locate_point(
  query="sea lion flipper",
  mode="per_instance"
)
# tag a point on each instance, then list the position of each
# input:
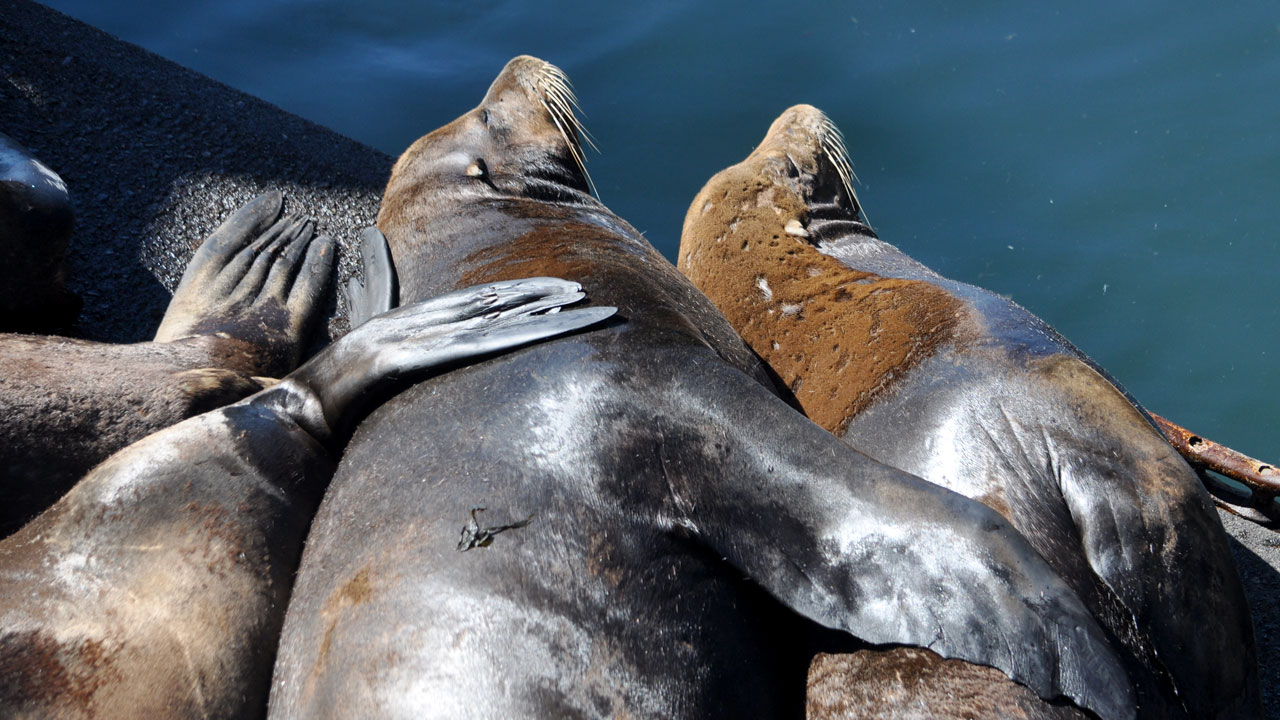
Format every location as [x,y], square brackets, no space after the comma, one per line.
[313,278]
[255,282]
[248,222]
[379,292]
[1150,533]
[886,556]
[428,335]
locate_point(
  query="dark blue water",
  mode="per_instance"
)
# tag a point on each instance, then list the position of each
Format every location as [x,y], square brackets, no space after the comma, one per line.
[1113,167]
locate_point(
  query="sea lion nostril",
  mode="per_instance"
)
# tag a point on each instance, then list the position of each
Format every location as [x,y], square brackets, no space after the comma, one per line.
[484,116]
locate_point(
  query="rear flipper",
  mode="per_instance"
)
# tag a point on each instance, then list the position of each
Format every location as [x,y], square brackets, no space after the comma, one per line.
[172,562]
[380,290]
[257,283]
[856,545]
[240,312]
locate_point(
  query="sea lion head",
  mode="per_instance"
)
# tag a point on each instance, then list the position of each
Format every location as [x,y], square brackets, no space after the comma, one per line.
[511,165]
[522,141]
[836,335]
[802,171]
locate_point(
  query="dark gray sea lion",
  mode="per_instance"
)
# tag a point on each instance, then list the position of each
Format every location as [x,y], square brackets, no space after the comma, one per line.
[970,391]
[241,312]
[36,219]
[584,528]
[157,586]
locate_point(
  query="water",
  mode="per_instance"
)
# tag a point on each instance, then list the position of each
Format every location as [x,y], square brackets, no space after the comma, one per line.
[1108,166]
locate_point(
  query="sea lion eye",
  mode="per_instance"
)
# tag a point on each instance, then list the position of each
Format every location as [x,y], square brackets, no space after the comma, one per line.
[484,116]
[477,169]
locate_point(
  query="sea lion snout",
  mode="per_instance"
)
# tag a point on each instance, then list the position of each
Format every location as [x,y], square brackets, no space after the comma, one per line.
[522,139]
[800,125]
[805,144]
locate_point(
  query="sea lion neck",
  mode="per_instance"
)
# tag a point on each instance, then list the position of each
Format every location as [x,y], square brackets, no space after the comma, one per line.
[499,239]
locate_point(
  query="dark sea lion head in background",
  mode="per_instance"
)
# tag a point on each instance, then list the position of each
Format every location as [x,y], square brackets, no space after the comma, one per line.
[628,470]
[970,391]
[36,219]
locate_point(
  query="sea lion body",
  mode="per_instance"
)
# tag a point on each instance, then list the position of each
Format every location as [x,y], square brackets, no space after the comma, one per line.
[242,311]
[643,493]
[157,586]
[970,391]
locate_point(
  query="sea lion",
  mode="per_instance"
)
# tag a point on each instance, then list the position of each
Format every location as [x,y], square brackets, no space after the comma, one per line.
[156,587]
[36,219]
[968,390]
[242,310]
[589,527]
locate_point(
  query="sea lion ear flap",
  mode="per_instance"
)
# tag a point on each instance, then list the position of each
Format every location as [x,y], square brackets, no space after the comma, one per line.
[380,290]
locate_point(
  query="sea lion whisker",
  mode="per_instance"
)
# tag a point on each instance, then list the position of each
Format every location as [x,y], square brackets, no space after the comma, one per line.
[832,141]
[552,95]
[571,140]
[568,102]
[554,84]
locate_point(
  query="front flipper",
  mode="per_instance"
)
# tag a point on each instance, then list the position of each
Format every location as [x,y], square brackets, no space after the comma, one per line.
[427,336]
[1150,532]
[886,556]
[380,290]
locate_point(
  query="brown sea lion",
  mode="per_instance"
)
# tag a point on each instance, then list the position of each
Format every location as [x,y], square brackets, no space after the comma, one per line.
[623,522]
[156,587]
[241,311]
[970,391]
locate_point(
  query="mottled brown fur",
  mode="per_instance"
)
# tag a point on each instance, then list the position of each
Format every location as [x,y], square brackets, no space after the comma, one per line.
[1006,412]
[836,336]
[546,251]
[901,683]
[35,668]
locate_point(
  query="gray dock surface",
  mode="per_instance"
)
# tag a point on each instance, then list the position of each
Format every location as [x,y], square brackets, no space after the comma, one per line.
[156,155]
